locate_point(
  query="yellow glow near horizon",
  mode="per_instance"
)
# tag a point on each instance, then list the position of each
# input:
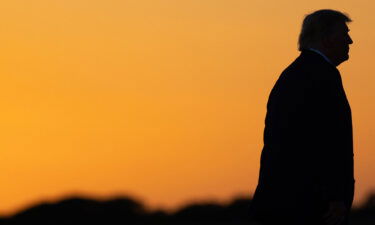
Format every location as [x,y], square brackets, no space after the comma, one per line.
[160,99]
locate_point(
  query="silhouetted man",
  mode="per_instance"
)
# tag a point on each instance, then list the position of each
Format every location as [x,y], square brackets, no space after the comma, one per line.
[306,170]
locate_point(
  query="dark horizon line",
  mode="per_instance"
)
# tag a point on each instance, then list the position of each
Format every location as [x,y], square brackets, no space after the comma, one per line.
[369,200]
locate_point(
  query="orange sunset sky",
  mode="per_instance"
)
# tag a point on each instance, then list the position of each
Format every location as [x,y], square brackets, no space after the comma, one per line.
[163,100]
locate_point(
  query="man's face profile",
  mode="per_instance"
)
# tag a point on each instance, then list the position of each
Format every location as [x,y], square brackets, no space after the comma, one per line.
[339,42]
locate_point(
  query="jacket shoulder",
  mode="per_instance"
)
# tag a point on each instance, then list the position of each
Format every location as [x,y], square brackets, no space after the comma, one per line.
[309,68]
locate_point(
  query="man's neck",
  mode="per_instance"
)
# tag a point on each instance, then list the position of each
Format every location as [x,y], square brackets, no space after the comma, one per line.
[320,52]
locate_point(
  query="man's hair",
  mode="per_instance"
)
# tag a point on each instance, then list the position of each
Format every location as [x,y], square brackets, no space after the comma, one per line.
[318,25]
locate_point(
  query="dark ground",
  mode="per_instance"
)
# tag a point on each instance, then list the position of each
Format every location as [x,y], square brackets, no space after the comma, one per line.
[125,210]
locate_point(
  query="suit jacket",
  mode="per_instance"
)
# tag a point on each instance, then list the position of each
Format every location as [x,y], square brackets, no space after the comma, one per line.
[307,158]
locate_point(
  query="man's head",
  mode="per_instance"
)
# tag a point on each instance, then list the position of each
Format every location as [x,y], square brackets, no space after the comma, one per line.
[326,31]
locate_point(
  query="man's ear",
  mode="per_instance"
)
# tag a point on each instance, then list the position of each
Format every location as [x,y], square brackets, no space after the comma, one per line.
[327,41]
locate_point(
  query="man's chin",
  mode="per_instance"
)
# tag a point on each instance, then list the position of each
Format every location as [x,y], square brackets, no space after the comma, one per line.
[346,57]
[343,59]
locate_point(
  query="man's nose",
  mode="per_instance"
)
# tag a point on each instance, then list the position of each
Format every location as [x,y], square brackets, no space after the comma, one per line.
[350,40]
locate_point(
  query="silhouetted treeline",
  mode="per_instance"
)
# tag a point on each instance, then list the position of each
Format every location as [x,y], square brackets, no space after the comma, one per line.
[125,210]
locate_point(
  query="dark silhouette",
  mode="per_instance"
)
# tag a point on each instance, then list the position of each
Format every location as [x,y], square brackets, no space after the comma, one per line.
[124,210]
[306,174]
[83,211]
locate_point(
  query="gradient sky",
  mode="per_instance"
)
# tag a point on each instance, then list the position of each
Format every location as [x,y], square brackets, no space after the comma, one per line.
[163,100]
